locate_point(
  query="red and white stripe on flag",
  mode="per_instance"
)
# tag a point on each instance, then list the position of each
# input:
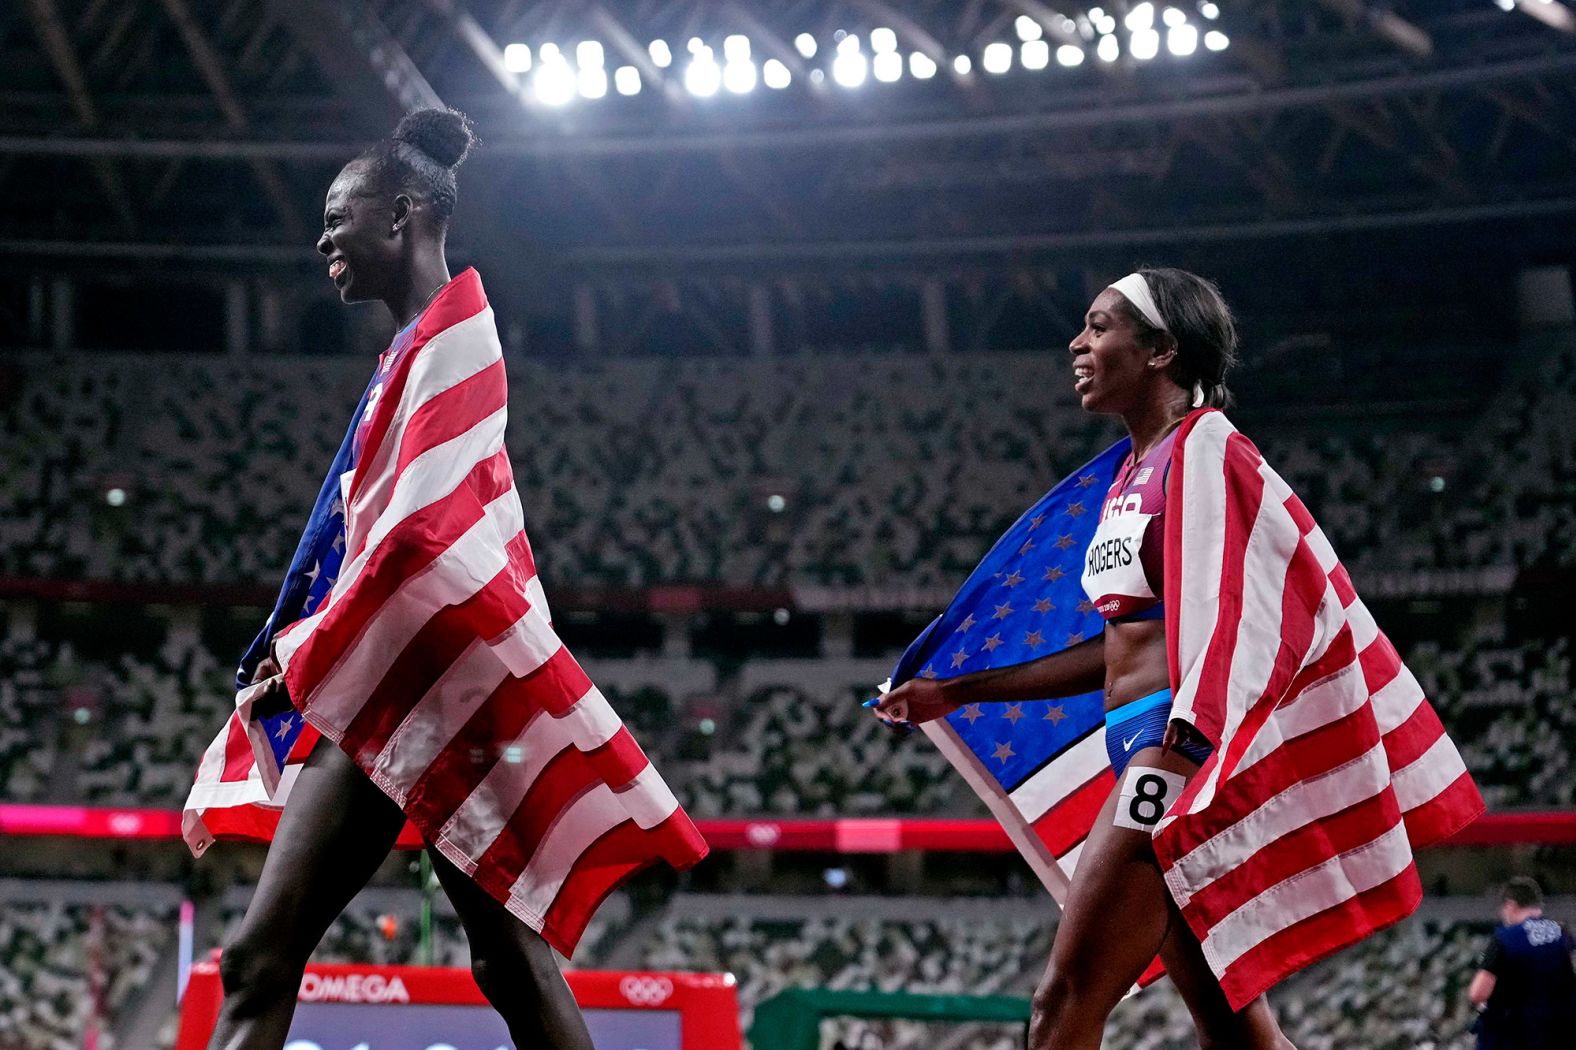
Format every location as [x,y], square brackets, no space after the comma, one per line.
[433,662]
[1295,839]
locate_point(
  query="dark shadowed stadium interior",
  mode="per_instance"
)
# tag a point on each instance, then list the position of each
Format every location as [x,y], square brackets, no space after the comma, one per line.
[784,292]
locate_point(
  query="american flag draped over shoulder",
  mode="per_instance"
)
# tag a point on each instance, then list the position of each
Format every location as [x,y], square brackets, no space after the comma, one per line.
[431,659]
[1040,766]
[1295,839]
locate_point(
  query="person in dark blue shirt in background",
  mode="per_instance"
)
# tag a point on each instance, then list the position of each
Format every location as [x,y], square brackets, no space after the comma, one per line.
[1525,986]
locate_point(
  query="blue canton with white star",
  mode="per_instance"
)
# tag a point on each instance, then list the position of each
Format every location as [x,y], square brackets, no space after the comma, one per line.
[1024,601]
[311,575]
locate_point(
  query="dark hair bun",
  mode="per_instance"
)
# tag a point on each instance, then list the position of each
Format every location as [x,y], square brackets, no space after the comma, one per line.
[445,135]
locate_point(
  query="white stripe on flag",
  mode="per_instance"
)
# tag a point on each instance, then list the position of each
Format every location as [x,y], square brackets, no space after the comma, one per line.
[448,359]
[437,717]
[485,812]
[1300,804]
[1062,776]
[449,579]
[1203,549]
[1328,700]
[1309,892]
[585,820]
[1432,772]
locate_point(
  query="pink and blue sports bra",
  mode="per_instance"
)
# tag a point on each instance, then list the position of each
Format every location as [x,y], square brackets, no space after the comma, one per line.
[1124,567]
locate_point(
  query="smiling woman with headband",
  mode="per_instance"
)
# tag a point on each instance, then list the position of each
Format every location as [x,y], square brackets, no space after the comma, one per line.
[1209,642]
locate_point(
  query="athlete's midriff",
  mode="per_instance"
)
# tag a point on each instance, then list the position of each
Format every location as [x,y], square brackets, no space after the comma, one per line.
[1124,576]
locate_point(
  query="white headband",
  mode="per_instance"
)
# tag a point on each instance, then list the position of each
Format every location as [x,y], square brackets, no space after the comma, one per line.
[1136,289]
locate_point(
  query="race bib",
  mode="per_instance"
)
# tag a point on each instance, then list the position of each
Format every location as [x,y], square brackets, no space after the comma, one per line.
[1146,794]
[1112,566]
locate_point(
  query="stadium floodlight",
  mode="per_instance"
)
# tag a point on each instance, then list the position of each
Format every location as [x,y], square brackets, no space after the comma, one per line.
[883,40]
[1035,54]
[1215,40]
[736,48]
[703,76]
[848,44]
[696,45]
[963,65]
[776,75]
[921,66]
[593,82]
[806,44]
[549,52]
[1505,5]
[1071,55]
[1140,18]
[1027,28]
[554,80]
[739,76]
[627,80]
[849,68]
[1108,49]
[517,58]
[1182,40]
[589,55]
[997,58]
[888,66]
[1144,44]
[1210,11]
[661,54]
[1172,17]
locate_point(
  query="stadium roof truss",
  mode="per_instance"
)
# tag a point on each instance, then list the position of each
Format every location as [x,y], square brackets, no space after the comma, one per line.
[207,131]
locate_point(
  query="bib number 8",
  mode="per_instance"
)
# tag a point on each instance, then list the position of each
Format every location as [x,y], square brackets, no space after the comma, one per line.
[1148,800]
[1146,794]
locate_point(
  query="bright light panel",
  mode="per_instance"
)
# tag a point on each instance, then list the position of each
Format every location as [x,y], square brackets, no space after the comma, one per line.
[806,44]
[849,68]
[1208,10]
[1108,49]
[661,54]
[883,40]
[997,58]
[1182,40]
[1070,55]
[736,48]
[1215,40]
[739,76]
[921,65]
[849,45]
[696,45]
[589,55]
[555,81]
[1028,28]
[1035,54]
[963,65]
[1172,17]
[888,66]
[627,80]
[549,52]
[775,75]
[1144,44]
[703,76]
[593,82]
[1140,18]
[517,58]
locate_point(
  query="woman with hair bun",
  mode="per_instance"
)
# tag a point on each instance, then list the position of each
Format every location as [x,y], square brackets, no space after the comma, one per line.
[1247,696]
[412,631]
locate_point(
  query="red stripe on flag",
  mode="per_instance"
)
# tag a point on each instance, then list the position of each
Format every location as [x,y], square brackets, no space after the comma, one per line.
[1306,942]
[565,778]
[1407,742]
[446,416]
[467,759]
[1065,824]
[1445,814]
[440,643]
[238,756]
[1380,663]
[1288,855]
[410,547]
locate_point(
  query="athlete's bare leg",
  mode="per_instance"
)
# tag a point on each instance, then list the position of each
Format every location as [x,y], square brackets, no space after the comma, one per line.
[334,833]
[514,967]
[1118,917]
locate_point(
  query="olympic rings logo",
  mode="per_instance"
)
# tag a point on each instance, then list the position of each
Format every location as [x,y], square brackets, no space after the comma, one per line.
[642,990]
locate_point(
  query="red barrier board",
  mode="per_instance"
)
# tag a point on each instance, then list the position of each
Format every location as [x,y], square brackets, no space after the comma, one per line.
[850,835]
[405,1007]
